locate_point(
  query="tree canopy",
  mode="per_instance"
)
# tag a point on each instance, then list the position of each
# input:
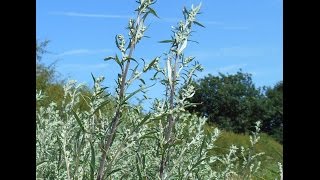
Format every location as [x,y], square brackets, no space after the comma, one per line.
[234,103]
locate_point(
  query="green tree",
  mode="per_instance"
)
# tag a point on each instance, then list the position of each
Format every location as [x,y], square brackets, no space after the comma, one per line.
[273,122]
[234,103]
[230,101]
[47,80]
[49,83]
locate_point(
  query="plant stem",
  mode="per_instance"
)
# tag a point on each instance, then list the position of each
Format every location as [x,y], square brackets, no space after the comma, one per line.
[66,158]
[172,93]
[171,120]
[116,119]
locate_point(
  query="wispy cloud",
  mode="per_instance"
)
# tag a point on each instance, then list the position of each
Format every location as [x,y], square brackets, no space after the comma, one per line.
[162,19]
[117,16]
[83,52]
[236,51]
[89,15]
[81,67]
[176,20]
[203,22]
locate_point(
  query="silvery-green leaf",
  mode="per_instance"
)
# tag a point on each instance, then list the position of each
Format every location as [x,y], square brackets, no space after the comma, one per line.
[78,121]
[183,46]
[142,81]
[151,64]
[197,23]
[108,58]
[152,11]
[133,93]
[118,62]
[166,41]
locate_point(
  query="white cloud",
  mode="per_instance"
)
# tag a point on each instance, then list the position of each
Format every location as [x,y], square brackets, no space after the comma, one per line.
[76,14]
[229,52]
[83,51]
[176,20]
[81,67]
[161,19]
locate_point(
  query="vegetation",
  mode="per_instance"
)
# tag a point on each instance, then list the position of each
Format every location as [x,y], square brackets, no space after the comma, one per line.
[50,85]
[233,103]
[86,133]
[273,122]
[271,148]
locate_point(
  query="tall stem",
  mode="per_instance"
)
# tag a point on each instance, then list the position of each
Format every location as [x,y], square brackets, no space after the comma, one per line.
[116,119]
[171,120]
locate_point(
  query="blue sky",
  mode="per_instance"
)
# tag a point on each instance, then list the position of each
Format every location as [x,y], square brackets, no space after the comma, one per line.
[244,34]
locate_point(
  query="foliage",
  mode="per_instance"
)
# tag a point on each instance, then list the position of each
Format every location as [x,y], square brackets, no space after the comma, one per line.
[273,122]
[231,101]
[122,142]
[235,104]
[47,77]
[49,83]
[272,150]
